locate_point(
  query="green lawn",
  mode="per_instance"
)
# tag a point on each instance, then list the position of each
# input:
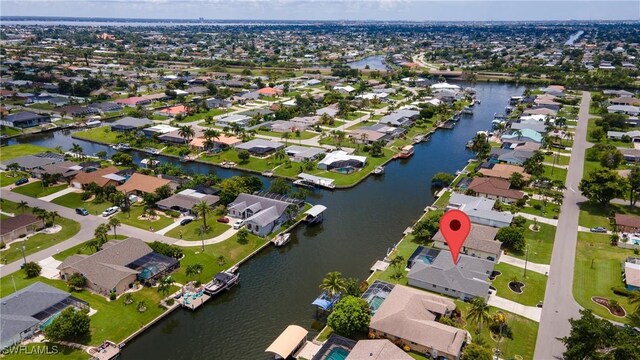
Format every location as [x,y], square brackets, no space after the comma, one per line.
[202,115]
[558,173]
[336,124]
[101,134]
[34,189]
[13,151]
[592,215]
[443,200]
[560,159]
[342,180]
[548,211]
[540,243]
[597,270]
[131,218]
[9,131]
[8,178]
[191,231]
[41,241]
[534,288]
[253,164]
[355,115]
[83,248]
[293,138]
[74,200]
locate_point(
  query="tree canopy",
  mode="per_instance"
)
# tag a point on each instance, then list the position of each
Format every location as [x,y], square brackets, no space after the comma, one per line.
[603,185]
[70,325]
[350,315]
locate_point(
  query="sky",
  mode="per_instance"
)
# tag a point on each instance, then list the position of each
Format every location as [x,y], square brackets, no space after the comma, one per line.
[411,10]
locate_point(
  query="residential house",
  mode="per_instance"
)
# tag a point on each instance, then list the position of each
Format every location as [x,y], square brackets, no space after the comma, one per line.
[214,103]
[627,100]
[269,91]
[185,200]
[25,119]
[304,153]
[331,110]
[263,215]
[106,107]
[31,162]
[231,120]
[634,135]
[631,274]
[630,155]
[139,184]
[480,243]
[130,123]
[158,130]
[118,265]
[19,226]
[541,111]
[627,223]
[434,270]
[283,126]
[221,141]
[402,118]
[365,136]
[66,170]
[340,160]
[503,171]
[494,188]
[410,317]
[480,210]
[378,349]
[624,109]
[27,311]
[260,147]
[101,177]
[522,135]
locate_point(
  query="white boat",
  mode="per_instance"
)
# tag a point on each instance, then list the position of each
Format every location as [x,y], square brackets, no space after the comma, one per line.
[379,170]
[418,139]
[281,239]
[222,281]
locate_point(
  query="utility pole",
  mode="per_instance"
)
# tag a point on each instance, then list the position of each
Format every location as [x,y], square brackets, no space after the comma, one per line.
[526,260]
[24,247]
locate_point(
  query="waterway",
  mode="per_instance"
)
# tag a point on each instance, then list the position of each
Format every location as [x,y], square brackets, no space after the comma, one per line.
[375,62]
[278,285]
[573,38]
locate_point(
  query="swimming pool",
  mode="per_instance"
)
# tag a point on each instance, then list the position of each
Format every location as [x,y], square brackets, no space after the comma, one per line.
[337,353]
[49,321]
[375,303]
[425,259]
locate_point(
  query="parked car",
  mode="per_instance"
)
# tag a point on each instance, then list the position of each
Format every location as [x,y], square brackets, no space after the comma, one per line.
[21,181]
[82,211]
[238,224]
[598,229]
[224,220]
[110,211]
[185,221]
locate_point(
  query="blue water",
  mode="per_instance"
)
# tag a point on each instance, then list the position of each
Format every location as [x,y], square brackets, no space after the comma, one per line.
[337,353]
[425,259]
[375,62]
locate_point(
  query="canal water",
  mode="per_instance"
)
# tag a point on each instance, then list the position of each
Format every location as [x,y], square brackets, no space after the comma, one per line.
[278,285]
[375,62]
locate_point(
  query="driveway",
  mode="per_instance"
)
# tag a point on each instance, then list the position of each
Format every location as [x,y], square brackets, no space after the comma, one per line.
[530,312]
[559,304]
[56,195]
[535,267]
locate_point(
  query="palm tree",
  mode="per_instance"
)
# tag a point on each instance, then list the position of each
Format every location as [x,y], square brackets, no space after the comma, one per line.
[23,205]
[286,135]
[479,312]
[77,149]
[164,285]
[280,154]
[634,298]
[41,214]
[186,132]
[334,283]
[193,270]
[202,209]
[209,135]
[101,232]
[114,223]
[53,215]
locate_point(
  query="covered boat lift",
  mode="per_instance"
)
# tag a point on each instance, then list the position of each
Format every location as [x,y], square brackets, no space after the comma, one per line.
[314,180]
[315,214]
[291,339]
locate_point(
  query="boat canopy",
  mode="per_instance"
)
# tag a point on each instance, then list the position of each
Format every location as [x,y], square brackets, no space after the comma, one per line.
[288,341]
[316,210]
[316,179]
[325,301]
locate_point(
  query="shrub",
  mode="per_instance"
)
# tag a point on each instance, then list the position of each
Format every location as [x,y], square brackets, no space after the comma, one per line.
[618,290]
[166,249]
[112,295]
[169,301]
[32,269]
[71,325]
[172,213]
[77,281]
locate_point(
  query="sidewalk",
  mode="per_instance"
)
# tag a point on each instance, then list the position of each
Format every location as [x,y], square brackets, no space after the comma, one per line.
[542,220]
[63,192]
[530,312]
[168,228]
[539,268]
[218,239]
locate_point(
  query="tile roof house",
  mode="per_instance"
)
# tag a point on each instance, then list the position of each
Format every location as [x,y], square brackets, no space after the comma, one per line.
[480,210]
[24,312]
[503,171]
[25,119]
[464,280]
[480,243]
[269,91]
[627,223]
[118,265]
[263,215]
[411,316]
[102,177]
[379,349]
[185,200]
[495,188]
[139,184]
[18,226]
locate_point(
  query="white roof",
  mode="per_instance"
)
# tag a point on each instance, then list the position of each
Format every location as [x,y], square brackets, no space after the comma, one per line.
[161,129]
[445,86]
[340,156]
[316,210]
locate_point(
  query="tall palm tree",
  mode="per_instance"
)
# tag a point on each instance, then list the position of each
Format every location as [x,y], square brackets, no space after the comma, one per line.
[77,149]
[164,285]
[202,209]
[22,206]
[53,215]
[479,312]
[101,232]
[194,270]
[280,154]
[334,283]
[286,135]
[113,224]
[186,132]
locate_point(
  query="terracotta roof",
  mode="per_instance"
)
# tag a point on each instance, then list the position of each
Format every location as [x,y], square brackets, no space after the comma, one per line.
[496,187]
[17,222]
[142,183]
[269,91]
[503,171]
[85,178]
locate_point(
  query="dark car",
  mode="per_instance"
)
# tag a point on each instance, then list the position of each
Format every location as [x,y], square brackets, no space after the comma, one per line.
[185,221]
[82,211]
[223,219]
[598,229]
[22,181]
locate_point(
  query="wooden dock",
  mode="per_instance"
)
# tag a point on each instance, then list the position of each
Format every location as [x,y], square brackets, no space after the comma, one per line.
[193,304]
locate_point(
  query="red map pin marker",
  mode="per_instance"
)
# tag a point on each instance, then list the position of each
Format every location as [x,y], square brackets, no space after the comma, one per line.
[455,226]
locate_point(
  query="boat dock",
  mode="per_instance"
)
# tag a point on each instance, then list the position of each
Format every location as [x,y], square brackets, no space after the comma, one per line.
[315,214]
[192,298]
[312,180]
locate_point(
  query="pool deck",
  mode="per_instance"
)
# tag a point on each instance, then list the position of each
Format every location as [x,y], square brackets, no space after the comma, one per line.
[308,351]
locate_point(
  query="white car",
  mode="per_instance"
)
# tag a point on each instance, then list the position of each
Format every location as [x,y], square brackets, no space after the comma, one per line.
[238,224]
[110,211]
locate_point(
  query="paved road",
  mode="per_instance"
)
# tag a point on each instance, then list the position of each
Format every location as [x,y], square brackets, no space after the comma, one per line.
[88,226]
[559,304]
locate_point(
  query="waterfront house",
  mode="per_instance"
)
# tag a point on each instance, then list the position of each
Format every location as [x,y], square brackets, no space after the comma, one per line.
[282,126]
[410,317]
[494,188]
[101,177]
[31,162]
[221,141]
[378,349]
[503,171]
[365,136]
[158,130]
[509,156]
[139,184]
[130,123]
[29,310]
[540,111]
[631,273]
[402,118]
[65,169]
[536,126]
[116,267]
[185,200]
[19,226]
[263,215]
[522,135]
[434,270]
[301,153]
[25,119]
[480,243]
[480,210]
[342,162]
[260,147]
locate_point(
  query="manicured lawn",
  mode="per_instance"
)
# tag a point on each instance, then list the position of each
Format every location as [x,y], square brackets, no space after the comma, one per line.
[9,131]
[558,173]
[355,115]
[534,288]
[191,231]
[131,218]
[202,115]
[597,270]
[40,241]
[350,179]
[592,215]
[34,189]
[6,177]
[548,211]
[293,138]
[253,164]
[83,248]
[560,159]
[540,243]
[443,200]
[102,134]
[336,124]
[13,151]
[53,352]
[74,200]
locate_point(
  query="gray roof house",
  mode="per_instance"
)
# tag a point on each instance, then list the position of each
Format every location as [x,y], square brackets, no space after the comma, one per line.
[185,200]
[400,118]
[260,147]
[624,109]
[535,126]
[465,280]
[30,162]
[516,157]
[130,123]
[479,243]
[262,215]
[236,119]
[300,153]
[26,310]
[25,119]
[480,210]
